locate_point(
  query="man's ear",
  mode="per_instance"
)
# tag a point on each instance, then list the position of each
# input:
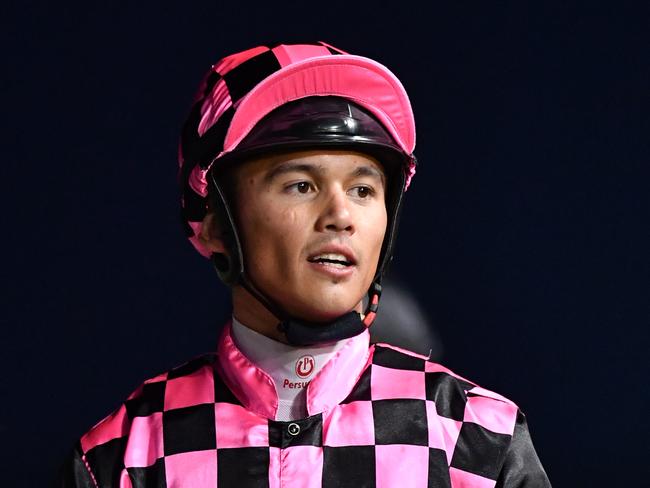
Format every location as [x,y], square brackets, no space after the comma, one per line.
[211,235]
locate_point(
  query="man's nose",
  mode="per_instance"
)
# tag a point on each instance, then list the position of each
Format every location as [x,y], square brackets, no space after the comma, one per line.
[335,214]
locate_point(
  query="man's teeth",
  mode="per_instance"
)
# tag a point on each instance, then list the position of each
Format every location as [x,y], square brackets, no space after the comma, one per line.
[331,259]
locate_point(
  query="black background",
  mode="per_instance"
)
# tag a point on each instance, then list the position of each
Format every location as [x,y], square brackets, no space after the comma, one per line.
[525,232]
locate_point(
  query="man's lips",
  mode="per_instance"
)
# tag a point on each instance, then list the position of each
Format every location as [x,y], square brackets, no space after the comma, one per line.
[333,254]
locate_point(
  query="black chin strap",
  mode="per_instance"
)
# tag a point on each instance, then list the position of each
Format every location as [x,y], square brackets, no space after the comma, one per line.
[303,333]
[300,333]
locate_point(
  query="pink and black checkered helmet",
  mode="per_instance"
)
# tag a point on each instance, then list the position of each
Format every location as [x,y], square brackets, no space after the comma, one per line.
[241,89]
[252,102]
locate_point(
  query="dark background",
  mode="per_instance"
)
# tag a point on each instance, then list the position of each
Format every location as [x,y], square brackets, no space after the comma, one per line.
[525,233]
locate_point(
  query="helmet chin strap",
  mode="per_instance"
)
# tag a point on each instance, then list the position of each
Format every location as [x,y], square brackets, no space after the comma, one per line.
[304,333]
[299,332]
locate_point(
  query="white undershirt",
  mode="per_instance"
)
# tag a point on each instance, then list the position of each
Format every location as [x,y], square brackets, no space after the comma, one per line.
[283,363]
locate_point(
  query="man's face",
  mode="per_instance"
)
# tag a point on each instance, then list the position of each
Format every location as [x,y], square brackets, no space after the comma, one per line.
[312,225]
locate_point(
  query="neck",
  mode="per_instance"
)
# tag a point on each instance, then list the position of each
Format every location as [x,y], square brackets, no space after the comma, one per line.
[247,310]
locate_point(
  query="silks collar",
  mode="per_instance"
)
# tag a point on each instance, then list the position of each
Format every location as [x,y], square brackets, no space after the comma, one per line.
[255,389]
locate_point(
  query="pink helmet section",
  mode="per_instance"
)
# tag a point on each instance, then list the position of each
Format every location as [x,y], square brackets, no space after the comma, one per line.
[360,79]
[242,88]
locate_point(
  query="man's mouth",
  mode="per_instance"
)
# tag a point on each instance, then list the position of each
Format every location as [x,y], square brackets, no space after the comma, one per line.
[331,259]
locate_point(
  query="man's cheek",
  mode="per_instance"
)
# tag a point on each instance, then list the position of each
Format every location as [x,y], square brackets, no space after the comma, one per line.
[290,219]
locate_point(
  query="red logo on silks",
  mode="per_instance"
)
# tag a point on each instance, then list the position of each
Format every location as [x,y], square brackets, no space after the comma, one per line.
[305,366]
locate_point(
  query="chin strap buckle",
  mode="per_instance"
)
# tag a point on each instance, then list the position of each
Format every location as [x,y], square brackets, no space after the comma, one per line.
[375,295]
[373,304]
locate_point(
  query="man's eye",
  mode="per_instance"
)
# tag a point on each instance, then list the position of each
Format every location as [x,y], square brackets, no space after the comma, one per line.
[363,191]
[303,187]
[300,187]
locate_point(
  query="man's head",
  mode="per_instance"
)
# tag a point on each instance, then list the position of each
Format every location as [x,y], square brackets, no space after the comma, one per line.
[312,225]
[305,153]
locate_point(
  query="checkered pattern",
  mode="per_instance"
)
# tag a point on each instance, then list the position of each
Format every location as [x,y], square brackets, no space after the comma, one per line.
[406,422]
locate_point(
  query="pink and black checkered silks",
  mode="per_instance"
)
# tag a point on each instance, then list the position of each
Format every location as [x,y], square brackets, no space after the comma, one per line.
[378,417]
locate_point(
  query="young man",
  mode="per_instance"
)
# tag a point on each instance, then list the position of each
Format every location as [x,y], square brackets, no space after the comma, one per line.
[294,160]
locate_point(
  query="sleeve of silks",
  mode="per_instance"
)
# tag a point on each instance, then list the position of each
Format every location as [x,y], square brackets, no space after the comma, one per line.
[522,468]
[73,473]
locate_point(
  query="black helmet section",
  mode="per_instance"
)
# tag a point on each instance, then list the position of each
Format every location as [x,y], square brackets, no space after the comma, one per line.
[318,122]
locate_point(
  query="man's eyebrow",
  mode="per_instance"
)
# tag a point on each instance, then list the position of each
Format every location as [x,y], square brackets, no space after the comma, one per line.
[370,171]
[291,167]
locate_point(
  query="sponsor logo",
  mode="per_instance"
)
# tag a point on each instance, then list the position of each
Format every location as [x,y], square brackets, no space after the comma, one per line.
[293,385]
[305,366]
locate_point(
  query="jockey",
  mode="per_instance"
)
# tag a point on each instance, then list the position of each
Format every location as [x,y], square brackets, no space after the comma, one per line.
[294,160]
